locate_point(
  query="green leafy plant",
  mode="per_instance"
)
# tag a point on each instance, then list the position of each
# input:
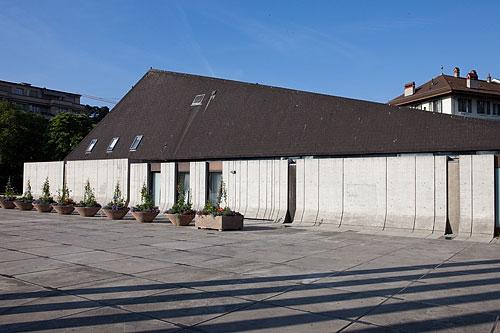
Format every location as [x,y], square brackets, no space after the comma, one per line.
[88,197]
[118,202]
[183,205]
[63,198]
[10,194]
[147,204]
[45,198]
[216,209]
[27,196]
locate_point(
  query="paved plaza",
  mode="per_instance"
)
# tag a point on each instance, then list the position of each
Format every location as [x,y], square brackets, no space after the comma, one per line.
[68,273]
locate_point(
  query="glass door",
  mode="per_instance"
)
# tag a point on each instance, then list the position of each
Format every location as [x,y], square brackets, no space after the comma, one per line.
[156,182]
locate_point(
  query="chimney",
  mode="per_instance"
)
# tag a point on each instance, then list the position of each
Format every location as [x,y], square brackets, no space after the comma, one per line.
[456,72]
[409,88]
[472,80]
[488,79]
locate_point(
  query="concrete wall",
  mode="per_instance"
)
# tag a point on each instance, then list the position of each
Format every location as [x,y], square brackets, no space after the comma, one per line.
[168,186]
[198,182]
[37,172]
[477,196]
[257,188]
[103,176]
[138,177]
[406,193]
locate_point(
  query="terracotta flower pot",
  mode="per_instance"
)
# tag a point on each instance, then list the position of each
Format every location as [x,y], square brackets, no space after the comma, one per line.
[115,214]
[64,210]
[23,205]
[180,220]
[219,222]
[87,211]
[43,208]
[7,204]
[144,216]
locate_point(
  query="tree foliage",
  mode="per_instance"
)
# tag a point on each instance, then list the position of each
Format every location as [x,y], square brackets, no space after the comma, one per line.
[96,113]
[28,137]
[21,140]
[65,132]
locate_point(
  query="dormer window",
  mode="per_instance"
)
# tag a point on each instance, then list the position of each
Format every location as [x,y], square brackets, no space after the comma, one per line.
[198,99]
[112,145]
[136,142]
[91,146]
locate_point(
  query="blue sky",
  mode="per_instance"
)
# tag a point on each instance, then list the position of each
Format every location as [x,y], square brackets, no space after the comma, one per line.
[357,49]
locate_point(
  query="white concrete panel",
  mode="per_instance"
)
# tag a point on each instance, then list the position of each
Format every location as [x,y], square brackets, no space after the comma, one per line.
[311,191]
[253,189]
[261,211]
[330,191]
[483,195]
[37,172]
[424,193]
[299,191]
[243,177]
[283,192]
[275,192]
[103,176]
[441,196]
[400,193]
[365,192]
[269,188]
[168,187]
[198,180]
[138,177]
[465,227]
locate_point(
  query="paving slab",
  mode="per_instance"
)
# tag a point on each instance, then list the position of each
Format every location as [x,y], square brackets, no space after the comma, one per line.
[68,273]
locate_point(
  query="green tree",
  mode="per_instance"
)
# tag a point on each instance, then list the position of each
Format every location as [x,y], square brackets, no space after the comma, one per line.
[21,140]
[65,131]
[96,113]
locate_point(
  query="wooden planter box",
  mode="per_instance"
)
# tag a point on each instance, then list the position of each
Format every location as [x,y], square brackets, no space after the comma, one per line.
[43,208]
[64,210]
[219,222]
[115,214]
[87,211]
[23,205]
[180,220]
[7,204]
[145,216]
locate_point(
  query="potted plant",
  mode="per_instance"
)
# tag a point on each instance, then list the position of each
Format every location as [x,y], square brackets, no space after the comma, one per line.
[88,207]
[181,213]
[8,200]
[218,217]
[64,204]
[116,209]
[43,204]
[26,201]
[146,210]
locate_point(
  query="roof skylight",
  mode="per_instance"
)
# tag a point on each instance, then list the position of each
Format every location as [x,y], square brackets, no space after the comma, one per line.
[198,99]
[136,142]
[112,144]
[91,145]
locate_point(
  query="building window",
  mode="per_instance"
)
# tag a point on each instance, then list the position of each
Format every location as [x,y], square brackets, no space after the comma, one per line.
[91,146]
[198,99]
[214,186]
[63,110]
[464,105]
[183,178]
[33,93]
[136,142]
[20,91]
[436,106]
[35,109]
[483,107]
[112,144]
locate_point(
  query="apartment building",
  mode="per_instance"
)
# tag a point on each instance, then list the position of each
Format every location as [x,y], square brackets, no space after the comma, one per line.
[462,96]
[43,101]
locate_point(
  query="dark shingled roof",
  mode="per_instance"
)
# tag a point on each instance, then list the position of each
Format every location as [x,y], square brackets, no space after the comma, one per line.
[254,121]
[444,85]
